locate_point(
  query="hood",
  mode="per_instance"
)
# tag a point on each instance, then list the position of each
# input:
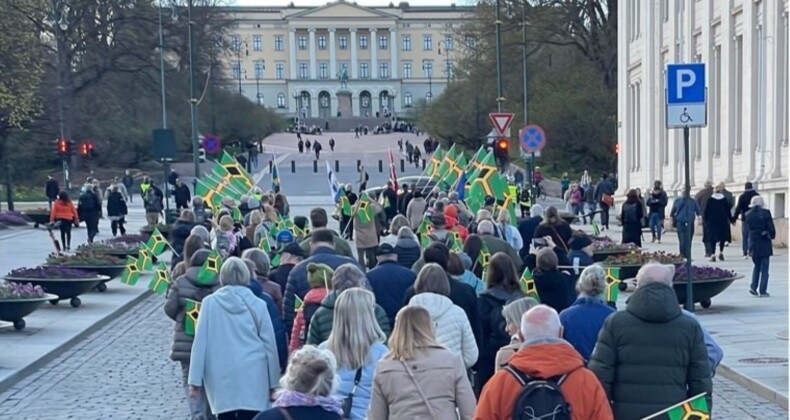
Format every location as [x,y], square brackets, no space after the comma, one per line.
[192,273]
[316,295]
[717,196]
[437,305]
[407,243]
[450,221]
[547,358]
[451,211]
[504,295]
[329,300]
[232,298]
[654,303]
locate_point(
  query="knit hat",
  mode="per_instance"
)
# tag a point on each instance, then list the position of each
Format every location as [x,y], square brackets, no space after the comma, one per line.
[437,219]
[319,275]
[579,241]
[452,211]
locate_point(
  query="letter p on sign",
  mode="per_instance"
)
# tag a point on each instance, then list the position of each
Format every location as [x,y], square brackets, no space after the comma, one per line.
[686,79]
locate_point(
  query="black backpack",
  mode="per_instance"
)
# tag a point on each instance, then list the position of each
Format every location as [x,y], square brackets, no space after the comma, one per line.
[629,213]
[539,398]
[496,333]
[87,202]
[307,312]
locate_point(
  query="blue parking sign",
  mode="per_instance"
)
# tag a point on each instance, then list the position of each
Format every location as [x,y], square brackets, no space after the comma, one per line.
[686,95]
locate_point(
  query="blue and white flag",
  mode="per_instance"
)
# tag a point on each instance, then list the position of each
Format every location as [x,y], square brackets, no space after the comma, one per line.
[275,175]
[460,186]
[334,190]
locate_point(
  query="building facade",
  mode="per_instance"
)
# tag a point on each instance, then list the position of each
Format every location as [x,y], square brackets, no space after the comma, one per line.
[291,58]
[744,44]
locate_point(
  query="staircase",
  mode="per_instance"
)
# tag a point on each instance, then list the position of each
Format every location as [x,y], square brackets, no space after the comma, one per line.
[345,124]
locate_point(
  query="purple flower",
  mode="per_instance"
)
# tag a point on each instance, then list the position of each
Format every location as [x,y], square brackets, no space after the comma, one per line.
[12,291]
[50,272]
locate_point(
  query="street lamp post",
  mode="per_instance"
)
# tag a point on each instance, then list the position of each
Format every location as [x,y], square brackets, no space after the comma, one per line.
[295,95]
[193,101]
[59,22]
[500,94]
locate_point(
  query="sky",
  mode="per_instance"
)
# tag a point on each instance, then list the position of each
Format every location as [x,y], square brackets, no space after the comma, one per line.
[360,2]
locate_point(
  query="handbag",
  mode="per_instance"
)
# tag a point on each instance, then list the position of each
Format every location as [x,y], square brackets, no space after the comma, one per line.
[607,199]
[348,402]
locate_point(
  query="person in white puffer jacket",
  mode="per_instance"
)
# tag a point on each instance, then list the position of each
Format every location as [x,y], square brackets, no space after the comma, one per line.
[452,326]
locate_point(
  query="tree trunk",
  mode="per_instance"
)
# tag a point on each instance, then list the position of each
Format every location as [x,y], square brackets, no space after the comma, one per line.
[9,193]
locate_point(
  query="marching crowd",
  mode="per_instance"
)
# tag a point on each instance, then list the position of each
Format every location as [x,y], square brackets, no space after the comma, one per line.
[410,328]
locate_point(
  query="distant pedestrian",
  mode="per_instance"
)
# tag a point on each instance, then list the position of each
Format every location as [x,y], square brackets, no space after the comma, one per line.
[317,149]
[740,209]
[356,133]
[173,177]
[656,203]
[116,210]
[716,224]
[585,180]
[307,146]
[761,233]
[363,178]
[128,182]
[604,195]
[332,144]
[181,195]
[326,125]
[153,207]
[65,215]
[89,209]
[631,217]
[416,156]
[400,145]
[683,214]
[51,189]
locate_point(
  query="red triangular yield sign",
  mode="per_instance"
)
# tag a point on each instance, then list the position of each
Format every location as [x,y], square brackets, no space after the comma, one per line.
[501,121]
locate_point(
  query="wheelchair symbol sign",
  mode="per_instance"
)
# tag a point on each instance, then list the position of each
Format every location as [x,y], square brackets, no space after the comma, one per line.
[685,117]
[532,138]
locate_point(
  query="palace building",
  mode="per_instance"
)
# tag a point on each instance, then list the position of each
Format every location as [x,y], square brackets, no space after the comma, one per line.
[744,45]
[291,58]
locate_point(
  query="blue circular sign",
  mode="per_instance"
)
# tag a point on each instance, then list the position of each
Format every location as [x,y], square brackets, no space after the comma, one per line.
[211,144]
[532,138]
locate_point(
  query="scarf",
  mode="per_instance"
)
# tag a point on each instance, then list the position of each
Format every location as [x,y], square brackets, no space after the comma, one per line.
[299,399]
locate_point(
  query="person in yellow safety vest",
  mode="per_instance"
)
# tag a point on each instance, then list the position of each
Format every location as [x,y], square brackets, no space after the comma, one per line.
[525,201]
[144,186]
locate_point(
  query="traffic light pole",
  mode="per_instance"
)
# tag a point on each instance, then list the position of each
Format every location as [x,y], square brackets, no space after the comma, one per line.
[193,101]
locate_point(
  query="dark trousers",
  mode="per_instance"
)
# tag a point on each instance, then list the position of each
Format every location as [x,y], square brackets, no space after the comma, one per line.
[367,257]
[65,232]
[744,238]
[684,238]
[760,274]
[710,248]
[238,415]
[117,225]
[605,215]
[92,225]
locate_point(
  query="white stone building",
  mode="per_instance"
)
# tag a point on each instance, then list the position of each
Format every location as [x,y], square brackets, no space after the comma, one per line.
[744,44]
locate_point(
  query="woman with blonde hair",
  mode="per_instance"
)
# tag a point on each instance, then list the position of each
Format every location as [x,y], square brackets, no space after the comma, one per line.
[418,378]
[453,330]
[264,227]
[357,343]
[582,321]
[307,388]
[397,222]
[510,233]
[512,313]
[256,217]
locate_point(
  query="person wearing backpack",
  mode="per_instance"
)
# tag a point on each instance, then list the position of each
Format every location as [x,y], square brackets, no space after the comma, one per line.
[319,277]
[501,288]
[89,209]
[631,214]
[545,374]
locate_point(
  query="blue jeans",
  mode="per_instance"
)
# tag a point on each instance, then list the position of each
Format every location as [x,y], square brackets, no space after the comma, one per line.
[685,243]
[760,274]
[744,238]
[656,225]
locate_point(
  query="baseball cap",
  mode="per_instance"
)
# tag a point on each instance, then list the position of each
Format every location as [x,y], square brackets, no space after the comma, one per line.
[294,249]
[285,237]
[385,249]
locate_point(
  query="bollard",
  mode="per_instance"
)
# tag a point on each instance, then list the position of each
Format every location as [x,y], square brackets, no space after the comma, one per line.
[423,163]
[402,165]
[337,166]
[381,166]
[293,167]
[271,163]
[359,162]
[315,166]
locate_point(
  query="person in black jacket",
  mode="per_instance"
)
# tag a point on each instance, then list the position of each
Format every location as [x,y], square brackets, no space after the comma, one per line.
[631,214]
[555,288]
[553,225]
[761,233]
[407,247]
[461,294]
[181,195]
[390,202]
[528,226]
[116,210]
[182,228]
[89,210]
[656,204]
[650,356]
[404,198]
[581,250]
[291,255]
[389,281]
[51,189]
[740,209]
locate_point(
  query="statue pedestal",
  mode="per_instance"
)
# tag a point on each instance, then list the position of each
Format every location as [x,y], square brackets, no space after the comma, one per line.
[344,107]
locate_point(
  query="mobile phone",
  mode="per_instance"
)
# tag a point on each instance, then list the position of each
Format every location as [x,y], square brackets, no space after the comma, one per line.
[539,242]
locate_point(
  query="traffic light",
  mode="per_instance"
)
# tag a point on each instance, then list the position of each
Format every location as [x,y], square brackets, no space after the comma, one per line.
[617,148]
[90,150]
[502,148]
[84,149]
[62,147]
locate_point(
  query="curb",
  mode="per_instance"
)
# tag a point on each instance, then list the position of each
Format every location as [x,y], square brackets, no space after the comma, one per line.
[753,385]
[21,374]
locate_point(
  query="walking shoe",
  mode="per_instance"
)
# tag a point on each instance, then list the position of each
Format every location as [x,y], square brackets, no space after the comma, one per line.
[745,257]
[653,240]
[765,294]
[721,257]
[753,292]
[659,241]
[713,258]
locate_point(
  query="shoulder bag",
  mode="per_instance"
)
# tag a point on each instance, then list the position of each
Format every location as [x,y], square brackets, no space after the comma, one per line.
[348,402]
[419,389]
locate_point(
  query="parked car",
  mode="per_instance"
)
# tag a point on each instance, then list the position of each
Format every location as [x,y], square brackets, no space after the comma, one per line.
[424,183]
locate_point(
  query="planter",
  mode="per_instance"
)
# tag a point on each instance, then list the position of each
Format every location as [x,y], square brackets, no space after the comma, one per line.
[602,255]
[63,288]
[109,271]
[703,290]
[16,310]
[38,219]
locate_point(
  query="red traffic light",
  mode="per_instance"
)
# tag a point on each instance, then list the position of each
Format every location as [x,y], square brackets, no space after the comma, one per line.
[617,148]
[503,144]
[63,146]
[85,149]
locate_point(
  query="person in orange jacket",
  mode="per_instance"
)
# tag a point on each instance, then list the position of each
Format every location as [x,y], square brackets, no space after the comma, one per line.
[64,212]
[544,355]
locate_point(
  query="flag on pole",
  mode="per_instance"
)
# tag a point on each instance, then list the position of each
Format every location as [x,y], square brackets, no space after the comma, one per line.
[144,260]
[460,186]
[161,281]
[612,283]
[334,189]
[265,245]
[455,171]
[210,268]
[130,273]
[298,304]
[433,164]
[191,312]
[156,243]
[694,408]
[596,228]
[275,176]
[393,174]
[236,171]
[210,197]
[223,186]
[527,283]
[474,163]
[483,258]
[447,162]
[364,209]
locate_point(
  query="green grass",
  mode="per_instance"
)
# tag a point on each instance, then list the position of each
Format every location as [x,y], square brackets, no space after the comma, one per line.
[22,194]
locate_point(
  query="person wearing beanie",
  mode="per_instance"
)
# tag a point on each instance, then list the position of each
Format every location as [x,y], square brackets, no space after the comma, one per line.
[319,277]
[439,231]
[581,250]
[253,204]
[452,222]
[301,222]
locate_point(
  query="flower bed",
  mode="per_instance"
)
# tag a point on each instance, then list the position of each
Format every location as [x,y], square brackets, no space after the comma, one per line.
[51,272]
[699,273]
[641,258]
[706,282]
[112,248]
[12,218]
[18,300]
[20,291]
[125,240]
[62,282]
[86,259]
[607,245]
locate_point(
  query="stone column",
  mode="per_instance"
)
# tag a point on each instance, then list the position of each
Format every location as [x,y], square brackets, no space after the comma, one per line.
[393,54]
[374,63]
[353,39]
[332,54]
[292,53]
[312,54]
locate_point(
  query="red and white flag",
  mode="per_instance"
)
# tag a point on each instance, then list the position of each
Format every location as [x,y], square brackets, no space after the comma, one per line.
[393,174]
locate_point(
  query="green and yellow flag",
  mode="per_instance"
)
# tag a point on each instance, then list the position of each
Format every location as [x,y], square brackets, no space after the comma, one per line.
[455,171]
[486,162]
[527,283]
[265,245]
[596,228]
[695,408]
[131,273]
[298,304]
[364,209]
[612,283]
[488,183]
[144,260]
[210,197]
[223,186]
[210,268]
[191,312]
[424,227]
[236,173]
[433,165]
[276,260]
[474,163]
[447,163]
[156,243]
[456,243]
[344,204]
[483,258]
[424,241]
[161,281]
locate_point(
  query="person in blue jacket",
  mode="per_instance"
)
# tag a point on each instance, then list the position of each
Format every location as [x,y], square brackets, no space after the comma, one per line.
[582,321]
[277,322]
[389,281]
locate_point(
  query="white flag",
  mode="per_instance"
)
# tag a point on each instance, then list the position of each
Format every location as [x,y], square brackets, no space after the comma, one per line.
[334,190]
